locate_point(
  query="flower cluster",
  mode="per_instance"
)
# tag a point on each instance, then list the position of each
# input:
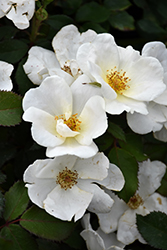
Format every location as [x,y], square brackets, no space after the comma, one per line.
[86,77]
[19,11]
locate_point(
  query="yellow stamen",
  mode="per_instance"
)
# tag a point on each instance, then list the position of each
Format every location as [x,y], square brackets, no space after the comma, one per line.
[117,80]
[73,122]
[67,178]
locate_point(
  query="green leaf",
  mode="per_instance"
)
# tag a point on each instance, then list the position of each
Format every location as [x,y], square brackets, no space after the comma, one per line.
[117,5]
[116,131]
[22,79]
[153,228]
[129,168]
[40,223]
[6,154]
[21,239]
[12,51]
[104,142]
[58,21]
[6,244]
[134,146]
[92,12]
[16,201]
[122,21]
[163,188]
[10,108]
[6,32]
[94,26]
[150,27]
[2,203]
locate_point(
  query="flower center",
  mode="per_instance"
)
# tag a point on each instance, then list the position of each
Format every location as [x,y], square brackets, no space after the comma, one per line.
[72,122]
[67,69]
[117,80]
[135,201]
[67,178]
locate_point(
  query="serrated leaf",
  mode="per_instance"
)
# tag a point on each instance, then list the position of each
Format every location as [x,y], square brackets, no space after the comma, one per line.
[16,201]
[40,223]
[134,146]
[117,5]
[92,12]
[20,239]
[12,51]
[153,228]
[122,21]
[10,108]
[116,131]
[129,168]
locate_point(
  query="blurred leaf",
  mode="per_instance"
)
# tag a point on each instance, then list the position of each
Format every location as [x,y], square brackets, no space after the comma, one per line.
[16,201]
[122,21]
[6,154]
[40,223]
[163,188]
[153,228]
[116,131]
[6,244]
[7,32]
[58,21]
[104,142]
[2,203]
[117,5]
[69,6]
[129,168]
[21,239]
[94,26]
[49,245]
[134,146]
[150,27]
[2,177]
[92,12]
[75,240]
[12,51]
[22,80]
[10,108]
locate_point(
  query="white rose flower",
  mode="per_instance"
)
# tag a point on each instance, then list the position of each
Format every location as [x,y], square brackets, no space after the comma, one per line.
[122,216]
[156,119]
[128,80]
[66,185]
[5,73]
[62,122]
[98,240]
[42,62]
[19,11]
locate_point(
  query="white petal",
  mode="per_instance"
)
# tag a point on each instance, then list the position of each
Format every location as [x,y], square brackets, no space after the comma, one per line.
[109,221]
[149,176]
[122,103]
[67,41]
[5,73]
[156,202]
[53,96]
[43,127]
[95,168]
[38,188]
[114,180]
[153,121]
[93,240]
[101,202]
[93,120]
[82,91]
[40,64]
[127,230]
[72,147]
[64,204]
[64,130]
[161,134]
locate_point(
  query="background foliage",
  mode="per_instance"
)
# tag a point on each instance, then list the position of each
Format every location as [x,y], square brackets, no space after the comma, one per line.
[23,225]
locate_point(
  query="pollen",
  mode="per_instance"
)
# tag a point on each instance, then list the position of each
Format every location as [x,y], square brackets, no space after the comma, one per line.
[72,122]
[135,201]
[117,80]
[67,178]
[67,69]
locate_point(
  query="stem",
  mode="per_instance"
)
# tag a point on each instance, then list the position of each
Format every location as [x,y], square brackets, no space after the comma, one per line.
[36,23]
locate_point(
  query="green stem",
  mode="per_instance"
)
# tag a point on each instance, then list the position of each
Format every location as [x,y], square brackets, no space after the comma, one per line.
[36,23]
